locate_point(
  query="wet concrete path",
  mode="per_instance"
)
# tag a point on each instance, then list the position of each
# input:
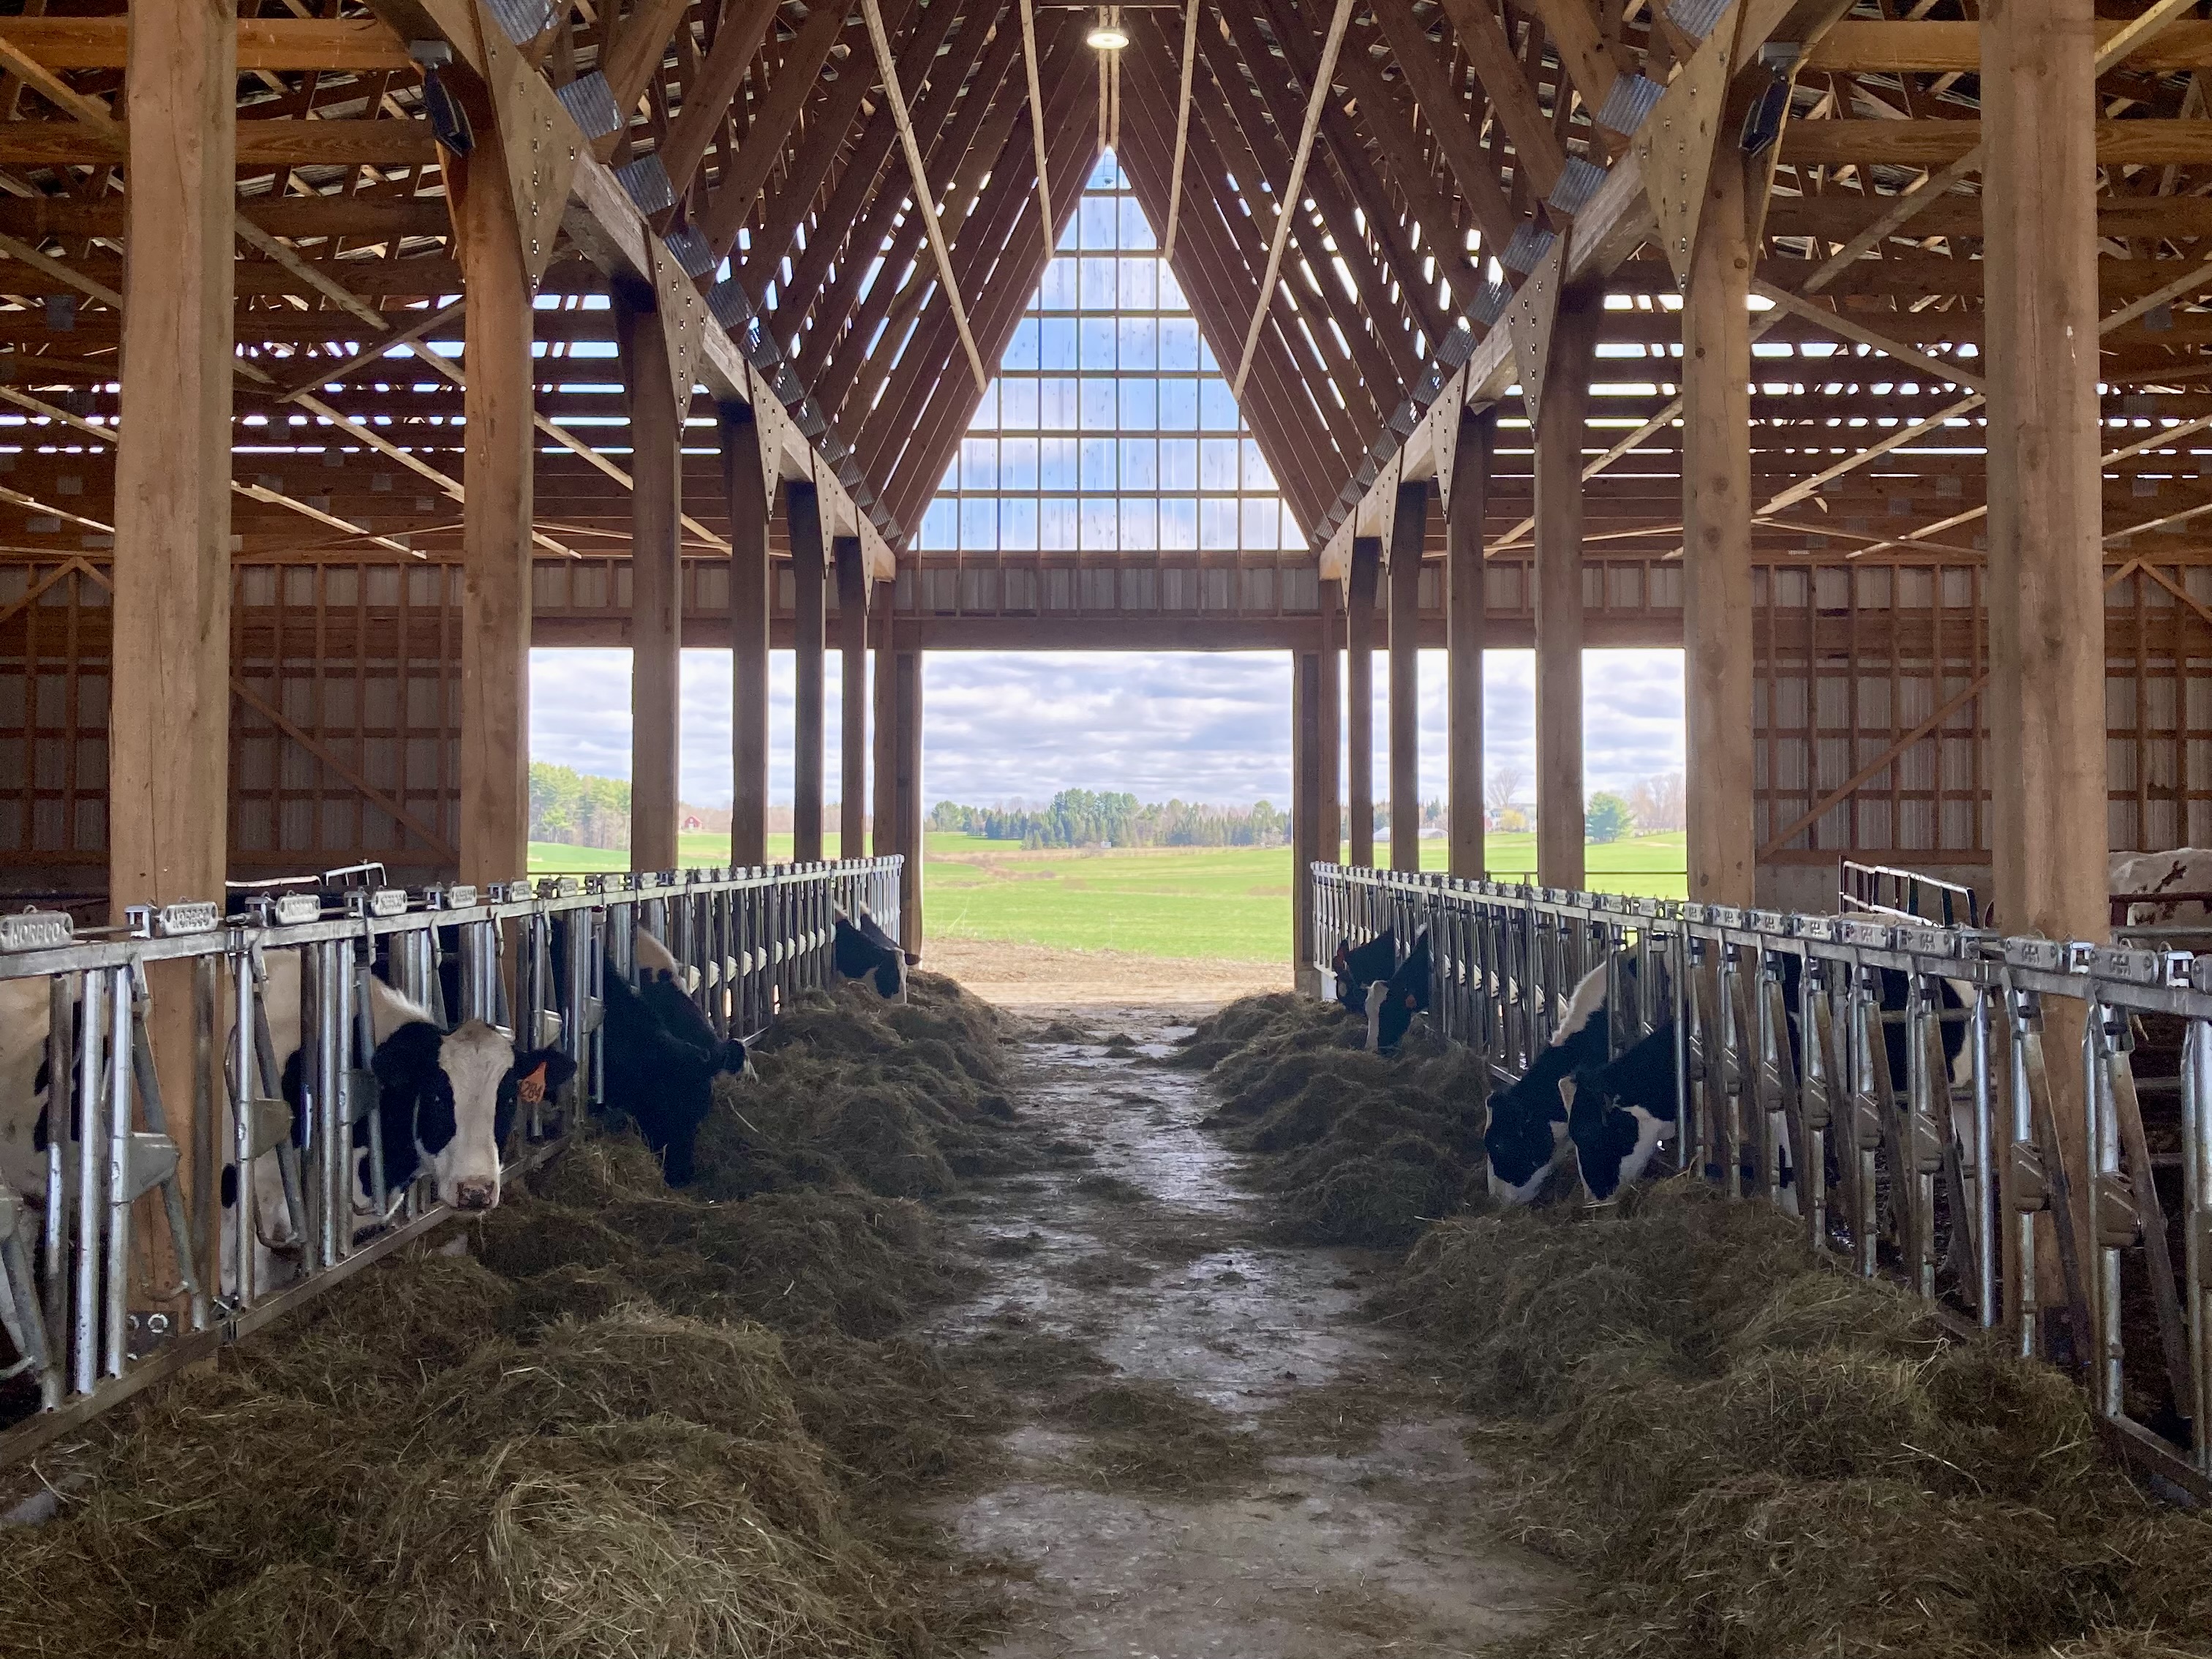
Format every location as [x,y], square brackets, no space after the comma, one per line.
[1329,1510]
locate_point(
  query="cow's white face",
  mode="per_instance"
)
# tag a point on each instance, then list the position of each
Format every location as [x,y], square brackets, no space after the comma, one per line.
[474,1061]
[1378,993]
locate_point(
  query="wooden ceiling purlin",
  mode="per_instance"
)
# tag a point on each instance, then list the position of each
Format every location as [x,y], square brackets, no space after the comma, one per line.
[1455,130]
[826,279]
[884,321]
[1283,408]
[710,91]
[830,135]
[1070,154]
[1224,270]
[1267,128]
[741,178]
[1274,76]
[928,368]
[1221,140]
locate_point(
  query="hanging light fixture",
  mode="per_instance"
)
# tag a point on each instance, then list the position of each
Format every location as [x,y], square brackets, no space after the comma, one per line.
[1107,34]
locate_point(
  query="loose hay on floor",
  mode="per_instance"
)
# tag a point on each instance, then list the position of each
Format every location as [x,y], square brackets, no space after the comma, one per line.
[1141,1435]
[1755,1455]
[1366,1149]
[634,1425]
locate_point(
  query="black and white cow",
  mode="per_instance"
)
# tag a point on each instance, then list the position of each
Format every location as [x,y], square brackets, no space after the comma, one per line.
[661,982]
[1527,1134]
[661,1078]
[1621,1109]
[1357,969]
[864,950]
[2166,889]
[1393,1002]
[447,1099]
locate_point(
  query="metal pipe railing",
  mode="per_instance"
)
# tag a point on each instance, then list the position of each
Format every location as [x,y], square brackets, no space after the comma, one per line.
[525,956]
[1906,1083]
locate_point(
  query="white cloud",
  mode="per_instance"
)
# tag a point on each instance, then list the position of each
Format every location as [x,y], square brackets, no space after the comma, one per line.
[1006,726]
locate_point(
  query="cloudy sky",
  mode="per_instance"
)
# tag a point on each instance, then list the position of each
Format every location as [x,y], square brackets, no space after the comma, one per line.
[1007,727]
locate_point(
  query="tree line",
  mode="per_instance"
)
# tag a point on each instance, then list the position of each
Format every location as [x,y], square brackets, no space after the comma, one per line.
[1083,817]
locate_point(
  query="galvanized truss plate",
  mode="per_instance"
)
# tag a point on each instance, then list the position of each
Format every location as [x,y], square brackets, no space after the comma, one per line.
[1526,248]
[1674,147]
[692,251]
[647,183]
[1695,18]
[1530,317]
[1628,103]
[541,144]
[1445,413]
[522,21]
[683,319]
[1578,182]
[731,305]
[589,101]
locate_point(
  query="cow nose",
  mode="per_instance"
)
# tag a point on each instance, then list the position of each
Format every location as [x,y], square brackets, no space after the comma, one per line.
[475,1194]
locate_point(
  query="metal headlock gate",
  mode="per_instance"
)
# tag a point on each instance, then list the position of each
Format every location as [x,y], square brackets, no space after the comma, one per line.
[75,1249]
[1782,1044]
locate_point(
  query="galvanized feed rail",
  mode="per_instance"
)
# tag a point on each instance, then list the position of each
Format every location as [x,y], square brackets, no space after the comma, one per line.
[77,1308]
[1887,1172]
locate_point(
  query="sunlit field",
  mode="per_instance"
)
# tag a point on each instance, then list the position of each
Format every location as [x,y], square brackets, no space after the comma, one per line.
[1229,904]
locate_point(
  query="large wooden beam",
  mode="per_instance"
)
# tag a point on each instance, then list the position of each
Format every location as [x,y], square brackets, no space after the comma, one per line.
[278,142]
[1868,45]
[2047,740]
[1360,696]
[169,702]
[1475,444]
[884,695]
[803,514]
[2150,141]
[746,491]
[1305,810]
[1329,833]
[852,702]
[1559,436]
[1717,514]
[1409,527]
[498,508]
[656,409]
[344,46]
[907,758]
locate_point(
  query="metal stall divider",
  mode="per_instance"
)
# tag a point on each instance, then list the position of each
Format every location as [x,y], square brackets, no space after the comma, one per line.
[72,1286]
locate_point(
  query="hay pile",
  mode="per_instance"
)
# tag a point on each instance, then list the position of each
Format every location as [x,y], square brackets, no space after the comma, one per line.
[901,1101]
[631,1423]
[1364,1149]
[1752,1454]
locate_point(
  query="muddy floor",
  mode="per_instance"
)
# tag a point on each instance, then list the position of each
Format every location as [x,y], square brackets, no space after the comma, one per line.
[1212,1453]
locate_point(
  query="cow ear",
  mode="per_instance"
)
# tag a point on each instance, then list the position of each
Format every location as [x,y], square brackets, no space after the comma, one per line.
[558,1068]
[1412,1001]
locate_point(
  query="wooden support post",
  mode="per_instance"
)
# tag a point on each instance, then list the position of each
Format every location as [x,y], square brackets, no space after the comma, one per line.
[1329,837]
[803,513]
[853,702]
[747,492]
[908,761]
[499,456]
[1475,441]
[1360,696]
[1305,811]
[2047,741]
[1409,527]
[885,821]
[169,731]
[1558,560]
[1717,543]
[656,577]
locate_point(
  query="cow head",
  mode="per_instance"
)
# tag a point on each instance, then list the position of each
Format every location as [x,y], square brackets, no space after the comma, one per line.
[1395,1016]
[448,1100]
[1521,1141]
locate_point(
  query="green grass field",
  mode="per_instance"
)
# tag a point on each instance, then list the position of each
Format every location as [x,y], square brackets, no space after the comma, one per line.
[1232,903]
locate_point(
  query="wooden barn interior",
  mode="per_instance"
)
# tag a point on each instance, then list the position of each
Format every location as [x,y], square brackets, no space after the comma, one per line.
[350,350]
[1749,329]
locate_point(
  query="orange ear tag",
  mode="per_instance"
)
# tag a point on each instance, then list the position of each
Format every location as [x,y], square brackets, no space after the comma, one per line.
[531,1088]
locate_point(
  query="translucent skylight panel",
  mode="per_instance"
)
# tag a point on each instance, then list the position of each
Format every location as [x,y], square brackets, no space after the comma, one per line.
[1109,428]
